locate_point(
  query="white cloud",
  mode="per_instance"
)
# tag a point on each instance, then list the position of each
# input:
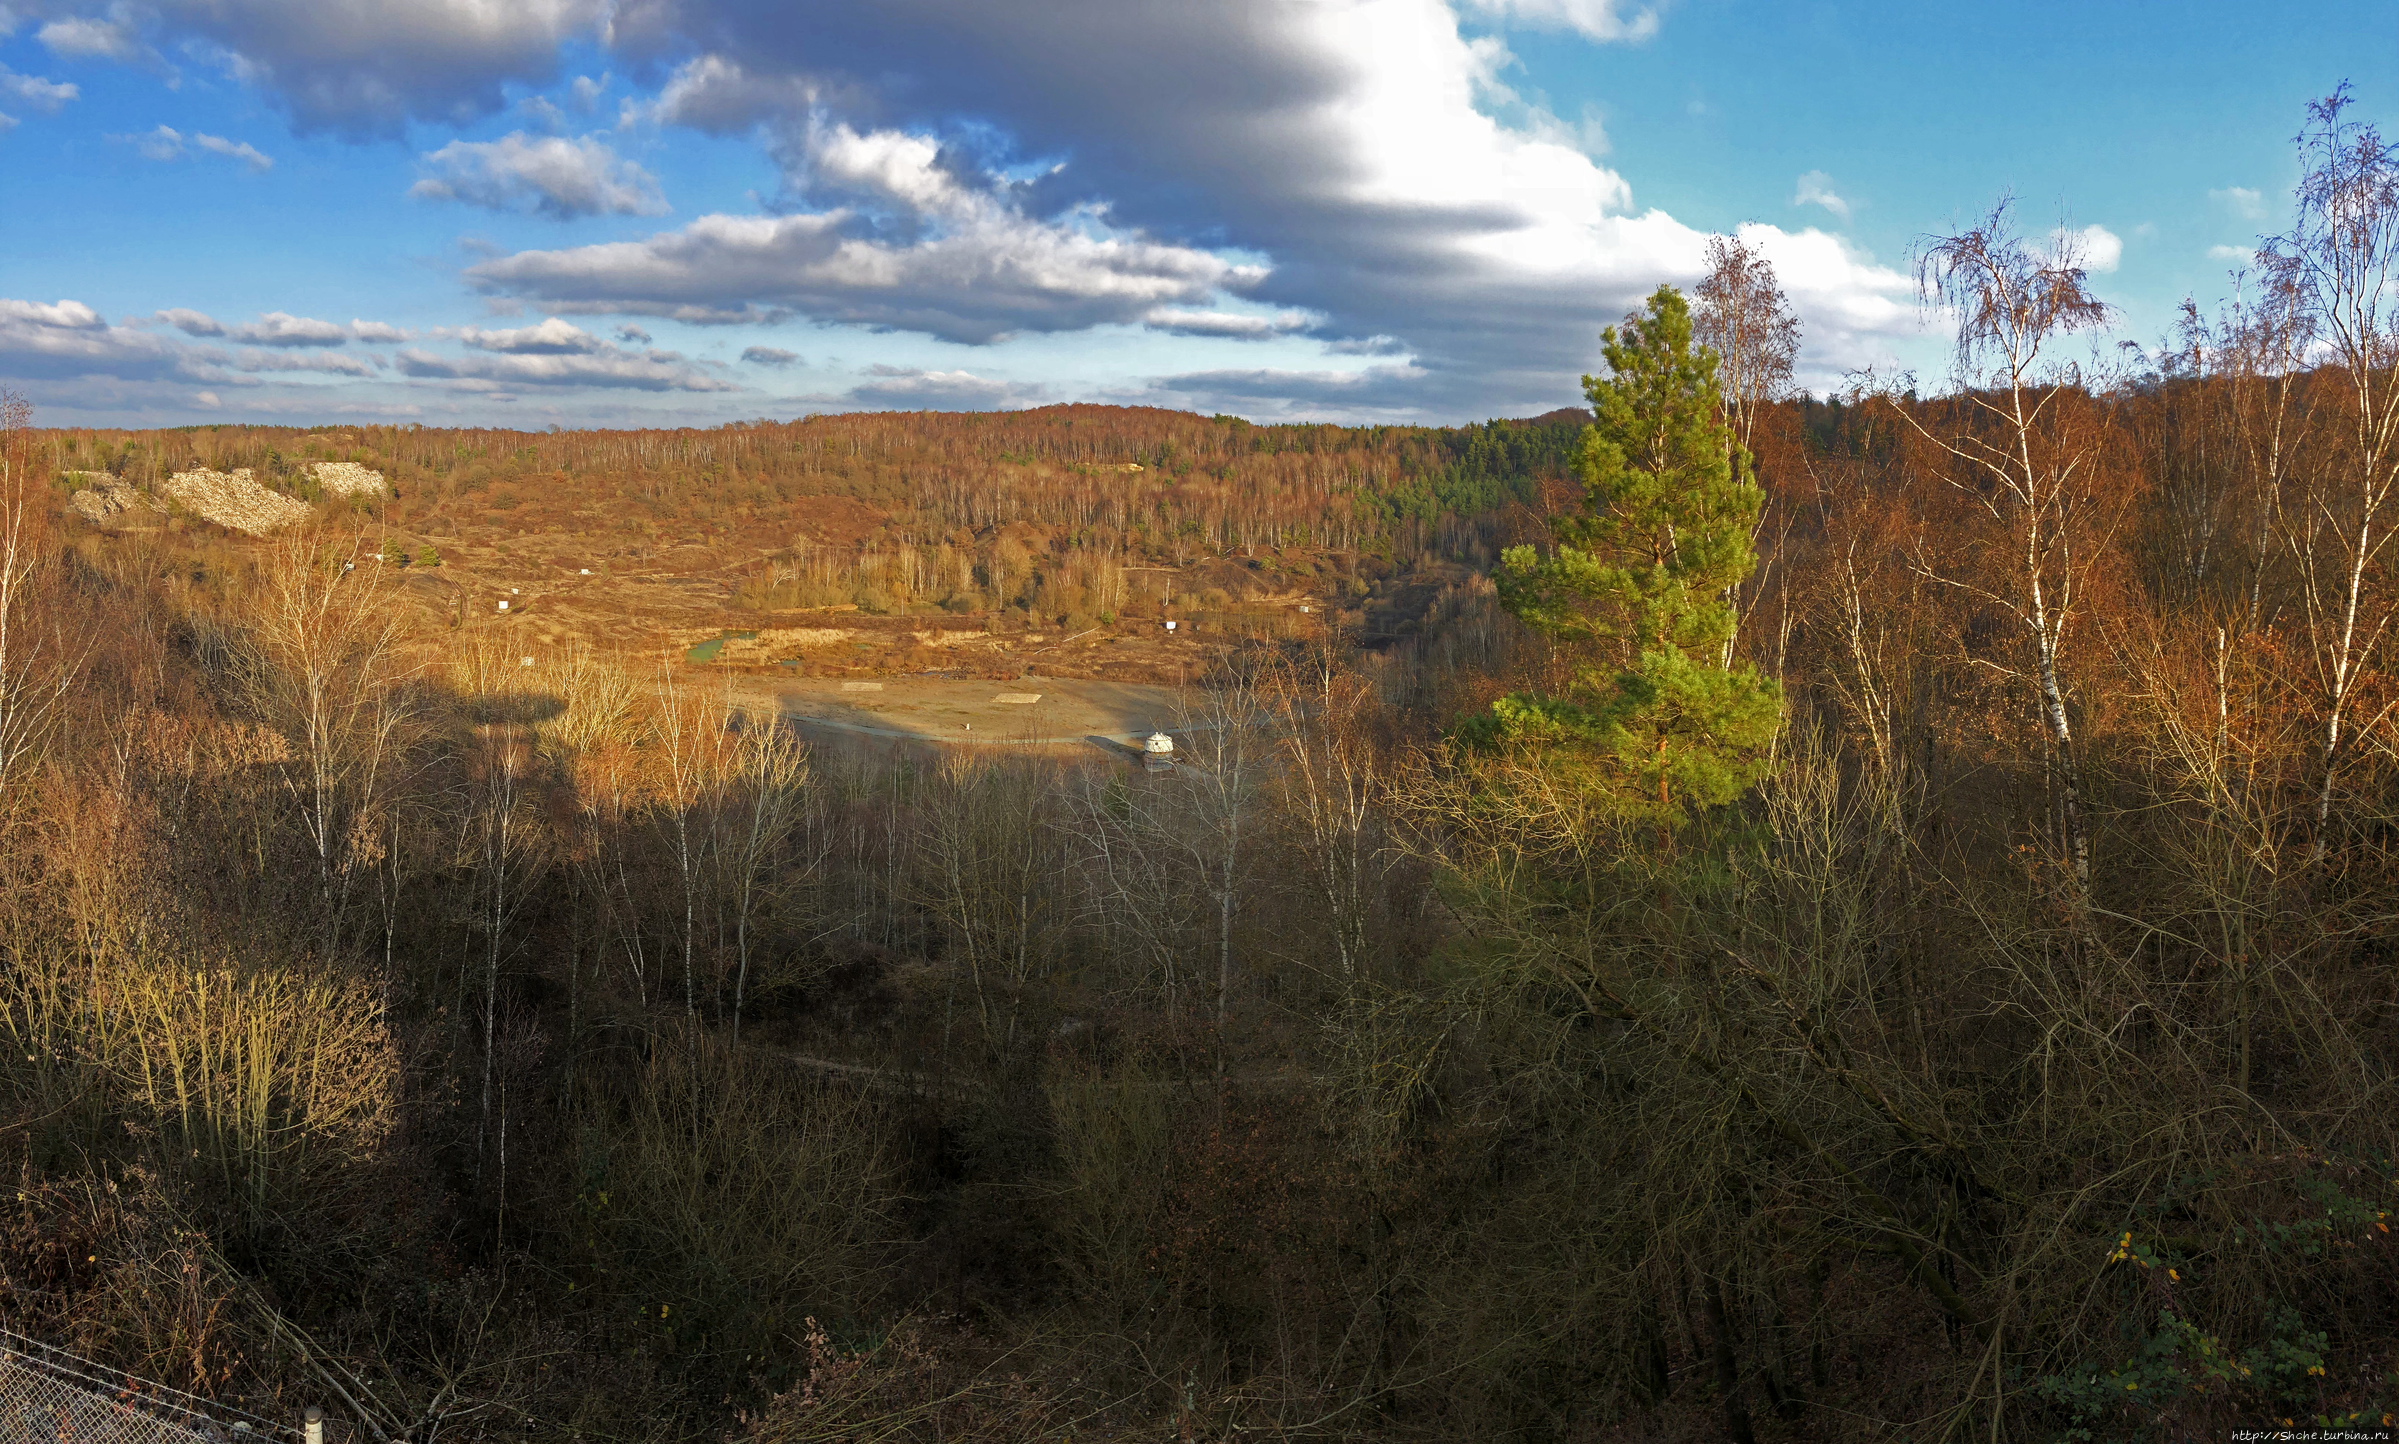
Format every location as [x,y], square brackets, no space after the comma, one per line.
[716,93]
[43,95]
[964,264]
[167,143]
[548,175]
[68,338]
[65,315]
[377,331]
[2095,248]
[544,112]
[774,356]
[192,323]
[254,362]
[906,388]
[551,337]
[242,151]
[86,37]
[2238,255]
[2241,201]
[610,368]
[280,328]
[977,170]
[7,122]
[1816,189]
[356,69]
[1181,322]
[1339,161]
[1597,19]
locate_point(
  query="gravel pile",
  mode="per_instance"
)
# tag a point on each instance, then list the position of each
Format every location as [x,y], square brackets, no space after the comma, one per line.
[234,500]
[108,500]
[347,478]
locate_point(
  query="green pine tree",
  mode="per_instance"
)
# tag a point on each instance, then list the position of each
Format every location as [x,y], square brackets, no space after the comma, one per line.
[1642,577]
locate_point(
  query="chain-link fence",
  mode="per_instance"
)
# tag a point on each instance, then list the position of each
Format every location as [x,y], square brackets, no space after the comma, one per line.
[49,1396]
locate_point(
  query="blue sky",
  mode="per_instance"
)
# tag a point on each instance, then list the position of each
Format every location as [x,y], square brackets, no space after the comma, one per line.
[660,212]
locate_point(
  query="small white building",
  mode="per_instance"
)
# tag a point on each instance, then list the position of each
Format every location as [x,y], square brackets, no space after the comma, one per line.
[1158,752]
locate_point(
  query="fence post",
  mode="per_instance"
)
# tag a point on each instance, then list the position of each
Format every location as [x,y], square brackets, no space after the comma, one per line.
[312,1431]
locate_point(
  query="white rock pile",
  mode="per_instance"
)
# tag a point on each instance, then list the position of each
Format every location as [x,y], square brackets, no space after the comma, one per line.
[109,500]
[347,478]
[234,500]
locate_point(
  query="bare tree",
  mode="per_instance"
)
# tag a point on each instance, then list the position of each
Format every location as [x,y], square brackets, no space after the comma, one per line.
[590,742]
[2020,456]
[690,733]
[1744,316]
[1143,894]
[2341,259]
[31,685]
[504,837]
[771,777]
[320,665]
[1332,787]
[988,871]
[1224,726]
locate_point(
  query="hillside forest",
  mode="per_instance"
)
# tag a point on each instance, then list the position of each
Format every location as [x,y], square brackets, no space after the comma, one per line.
[1863,917]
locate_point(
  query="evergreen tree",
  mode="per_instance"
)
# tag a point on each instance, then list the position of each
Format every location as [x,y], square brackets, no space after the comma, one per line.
[1641,576]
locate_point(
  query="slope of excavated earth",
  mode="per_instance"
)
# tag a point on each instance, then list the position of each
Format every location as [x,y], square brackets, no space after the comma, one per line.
[234,500]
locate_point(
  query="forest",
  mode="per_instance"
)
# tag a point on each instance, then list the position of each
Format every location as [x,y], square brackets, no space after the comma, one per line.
[1870,919]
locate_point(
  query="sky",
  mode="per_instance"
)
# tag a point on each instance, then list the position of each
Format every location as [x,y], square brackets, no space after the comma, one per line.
[689,212]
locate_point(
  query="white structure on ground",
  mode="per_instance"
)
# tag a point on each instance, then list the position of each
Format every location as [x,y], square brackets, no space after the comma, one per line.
[1158,752]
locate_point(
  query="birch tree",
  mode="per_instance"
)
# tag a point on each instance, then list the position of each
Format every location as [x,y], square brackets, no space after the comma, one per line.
[2018,455]
[2341,259]
[32,684]
[321,665]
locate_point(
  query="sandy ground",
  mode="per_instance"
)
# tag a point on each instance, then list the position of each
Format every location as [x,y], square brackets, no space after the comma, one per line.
[1112,716]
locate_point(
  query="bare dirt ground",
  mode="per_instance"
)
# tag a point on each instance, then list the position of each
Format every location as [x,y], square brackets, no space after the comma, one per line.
[1036,712]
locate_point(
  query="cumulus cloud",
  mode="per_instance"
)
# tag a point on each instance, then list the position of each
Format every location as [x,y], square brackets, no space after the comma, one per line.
[545,175]
[715,93]
[1345,153]
[2096,248]
[2248,204]
[192,323]
[974,171]
[43,95]
[254,362]
[1597,19]
[82,37]
[68,338]
[553,352]
[631,334]
[1235,325]
[956,260]
[607,370]
[769,356]
[357,70]
[279,329]
[550,337]
[904,388]
[1816,189]
[1387,392]
[2237,255]
[168,143]
[377,331]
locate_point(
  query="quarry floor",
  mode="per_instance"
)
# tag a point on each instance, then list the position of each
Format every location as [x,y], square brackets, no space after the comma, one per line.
[1112,717]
